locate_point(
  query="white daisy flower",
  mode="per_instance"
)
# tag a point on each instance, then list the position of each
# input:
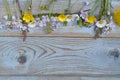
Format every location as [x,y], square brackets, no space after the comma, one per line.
[54,18]
[32,25]
[8,23]
[69,18]
[5,17]
[75,17]
[101,23]
[14,18]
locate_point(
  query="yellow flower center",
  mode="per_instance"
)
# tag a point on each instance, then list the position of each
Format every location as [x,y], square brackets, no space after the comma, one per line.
[16,20]
[62,17]
[69,17]
[100,22]
[117,16]
[42,7]
[91,19]
[28,17]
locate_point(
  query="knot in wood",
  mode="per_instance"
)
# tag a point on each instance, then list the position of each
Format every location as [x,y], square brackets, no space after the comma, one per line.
[115,53]
[22,59]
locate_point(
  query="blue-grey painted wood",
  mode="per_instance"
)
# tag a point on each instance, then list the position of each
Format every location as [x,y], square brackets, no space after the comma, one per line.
[76,6]
[59,56]
[58,78]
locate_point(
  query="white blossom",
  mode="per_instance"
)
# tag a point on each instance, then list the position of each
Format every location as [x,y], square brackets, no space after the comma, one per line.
[101,23]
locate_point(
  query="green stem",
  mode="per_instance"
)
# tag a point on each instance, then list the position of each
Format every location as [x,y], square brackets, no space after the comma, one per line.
[25,6]
[109,5]
[51,9]
[63,7]
[69,4]
[106,9]
[8,9]
[97,2]
[30,7]
[74,4]
[40,5]
[15,7]
[19,8]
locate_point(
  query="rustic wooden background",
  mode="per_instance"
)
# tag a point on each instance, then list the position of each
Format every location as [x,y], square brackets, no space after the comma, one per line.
[70,53]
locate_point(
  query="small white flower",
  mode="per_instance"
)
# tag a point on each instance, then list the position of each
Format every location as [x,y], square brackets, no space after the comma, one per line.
[45,19]
[42,24]
[13,17]
[37,19]
[108,29]
[75,17]
[54,18]
[87,3]
[32,25]
[69,18]
[5,17]
[84,15]
[1,25]
[108,12]
[8,23]
[111,23]
[101,23]
[23,28]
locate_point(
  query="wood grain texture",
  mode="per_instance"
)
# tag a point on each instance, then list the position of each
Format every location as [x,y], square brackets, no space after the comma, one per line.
[60,56]
[58,78]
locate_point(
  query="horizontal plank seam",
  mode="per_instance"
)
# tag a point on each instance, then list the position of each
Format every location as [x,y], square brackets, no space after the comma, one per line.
[67,75]
[58,35]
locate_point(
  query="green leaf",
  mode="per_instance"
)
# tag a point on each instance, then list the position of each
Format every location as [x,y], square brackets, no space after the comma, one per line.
[80,22]
[48,29]
[65,23]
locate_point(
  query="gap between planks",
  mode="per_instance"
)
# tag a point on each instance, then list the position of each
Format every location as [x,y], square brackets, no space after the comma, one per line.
[71,35]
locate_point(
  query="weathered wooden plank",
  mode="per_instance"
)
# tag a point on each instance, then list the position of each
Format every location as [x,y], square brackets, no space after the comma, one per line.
[39,78]
[58,78]
[68,31]
[60,56]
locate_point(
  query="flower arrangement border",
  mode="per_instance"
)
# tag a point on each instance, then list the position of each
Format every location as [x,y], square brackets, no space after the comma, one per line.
[102,21]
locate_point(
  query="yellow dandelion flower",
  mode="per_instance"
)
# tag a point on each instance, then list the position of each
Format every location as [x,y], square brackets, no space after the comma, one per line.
[62,18]
[27,17]
[117,16]
[91,19]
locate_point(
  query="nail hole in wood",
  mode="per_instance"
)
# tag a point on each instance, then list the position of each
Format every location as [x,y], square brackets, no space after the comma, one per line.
[22,59]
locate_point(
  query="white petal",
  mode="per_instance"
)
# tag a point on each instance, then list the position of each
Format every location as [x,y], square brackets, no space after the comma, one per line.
[101,25]
[75,17]
[13,17]
[31,25]
[5,17]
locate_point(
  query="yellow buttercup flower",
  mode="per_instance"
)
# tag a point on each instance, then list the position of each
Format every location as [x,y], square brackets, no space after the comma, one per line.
[27,17]
[91,19]
[117,16]
[62,18]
